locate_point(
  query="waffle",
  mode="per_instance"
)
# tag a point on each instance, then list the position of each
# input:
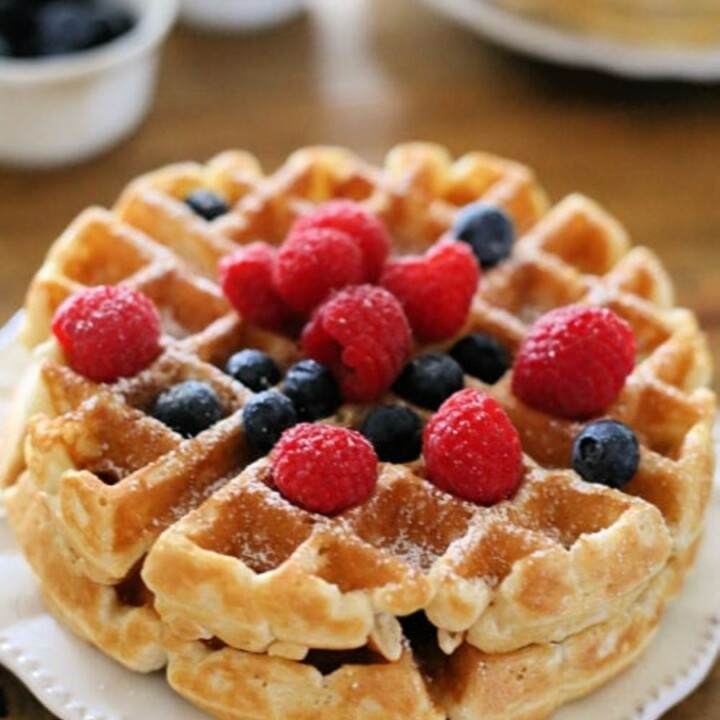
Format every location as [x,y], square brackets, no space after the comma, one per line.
[660,23]
[415,604]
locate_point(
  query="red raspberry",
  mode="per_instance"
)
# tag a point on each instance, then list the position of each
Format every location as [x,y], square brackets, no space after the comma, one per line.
[363,336]
[574,361]
[314,261]
[471,448]
[246,280]
[324,469]
[436,289]
[108,332]
[366,229]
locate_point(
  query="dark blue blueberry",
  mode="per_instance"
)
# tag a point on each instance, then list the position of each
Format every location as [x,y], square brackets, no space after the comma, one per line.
[110,23]
[67,26]
[487,229]
[188,408]
[482,356]
[206,204]
[313,389]
[35,28]
[254,369]
[63,27]
[606,452]
[429,380]
[266,416]
[9,11]
[18,27]
[395,432]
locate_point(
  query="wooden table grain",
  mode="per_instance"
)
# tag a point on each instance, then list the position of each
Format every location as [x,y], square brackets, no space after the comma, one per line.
[367,75]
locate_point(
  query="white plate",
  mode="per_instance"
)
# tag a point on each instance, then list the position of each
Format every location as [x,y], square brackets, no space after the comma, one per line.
[76,682]
[547,42]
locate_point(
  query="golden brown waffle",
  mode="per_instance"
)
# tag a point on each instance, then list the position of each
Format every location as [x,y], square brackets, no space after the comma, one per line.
[527,683]
[659,23]
[164,546]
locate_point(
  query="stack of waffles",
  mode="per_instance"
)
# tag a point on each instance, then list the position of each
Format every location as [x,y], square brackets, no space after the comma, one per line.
[179,553]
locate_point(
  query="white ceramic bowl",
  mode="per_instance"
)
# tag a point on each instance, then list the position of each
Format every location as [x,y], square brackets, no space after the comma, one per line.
[64,109]
[238,15]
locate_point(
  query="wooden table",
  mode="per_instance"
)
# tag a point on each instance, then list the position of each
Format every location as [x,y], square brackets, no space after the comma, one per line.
[370,74]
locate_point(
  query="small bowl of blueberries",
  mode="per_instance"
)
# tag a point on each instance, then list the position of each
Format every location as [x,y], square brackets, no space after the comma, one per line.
[76,76]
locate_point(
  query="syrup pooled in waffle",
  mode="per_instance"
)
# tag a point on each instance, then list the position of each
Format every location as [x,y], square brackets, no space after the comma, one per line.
[296,610]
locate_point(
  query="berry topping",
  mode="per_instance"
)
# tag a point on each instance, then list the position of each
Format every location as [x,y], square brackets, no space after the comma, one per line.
[207,204]
[314,261]
[313,390]
[606,452]
[254,369]
[487,229]
[363,336]
[246,277]
[36,28]
[482,356]
[429,380]
[265,417]
[472,450]
[435,289]
[188,408]
[574,361]
[108,332]
[395,432]
[361,225]
[66,26]
[324,469]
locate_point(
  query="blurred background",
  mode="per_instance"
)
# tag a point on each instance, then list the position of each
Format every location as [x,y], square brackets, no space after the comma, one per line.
[368,74]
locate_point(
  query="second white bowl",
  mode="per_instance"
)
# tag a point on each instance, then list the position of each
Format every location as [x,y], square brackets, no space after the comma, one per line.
[238,15]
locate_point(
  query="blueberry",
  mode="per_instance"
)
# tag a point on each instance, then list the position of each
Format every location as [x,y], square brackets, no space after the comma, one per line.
[487,229]
[188,408]
[110,23]
[254,369]
[266,416]
[18,27]
[206,204]
[482,356]
[429,380]
[313,389]
[64,27]
[5,49]
[395,432]
[606,452]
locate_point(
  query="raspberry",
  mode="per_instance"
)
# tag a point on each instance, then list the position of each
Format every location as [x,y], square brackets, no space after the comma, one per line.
[363,336]
[324,469]
[436,289]
[574,361]
[246,280]
[471,448]
[363,227]
[314,261]
[108,332]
